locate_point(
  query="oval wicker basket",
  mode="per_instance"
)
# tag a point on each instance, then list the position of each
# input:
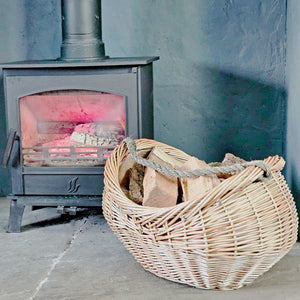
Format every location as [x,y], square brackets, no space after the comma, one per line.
[223,240]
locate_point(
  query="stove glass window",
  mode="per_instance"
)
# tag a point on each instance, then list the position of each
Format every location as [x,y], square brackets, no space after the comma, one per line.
[70,128]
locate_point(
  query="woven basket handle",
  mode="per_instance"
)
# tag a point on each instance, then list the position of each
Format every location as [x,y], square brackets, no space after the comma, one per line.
[131,146]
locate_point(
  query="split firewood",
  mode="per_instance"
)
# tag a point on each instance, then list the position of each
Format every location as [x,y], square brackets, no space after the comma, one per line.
[124,171]
[136,177]
[194,188]
[127,165]
[230,159]
[160,190]
[160,156]
[131,177]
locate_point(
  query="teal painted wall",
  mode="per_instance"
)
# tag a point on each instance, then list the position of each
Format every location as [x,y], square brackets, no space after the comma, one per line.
[13,45]
[293,91]
[219,83]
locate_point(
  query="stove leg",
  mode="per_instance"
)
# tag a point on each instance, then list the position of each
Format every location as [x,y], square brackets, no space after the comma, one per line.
[15,216]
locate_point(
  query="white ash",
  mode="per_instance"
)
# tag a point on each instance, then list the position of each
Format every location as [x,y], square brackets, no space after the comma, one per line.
[94,134]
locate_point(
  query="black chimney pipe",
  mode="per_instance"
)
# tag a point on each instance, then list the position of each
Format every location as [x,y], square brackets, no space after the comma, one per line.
[81,30]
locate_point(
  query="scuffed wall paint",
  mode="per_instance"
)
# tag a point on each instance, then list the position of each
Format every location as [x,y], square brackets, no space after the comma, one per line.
[218,85]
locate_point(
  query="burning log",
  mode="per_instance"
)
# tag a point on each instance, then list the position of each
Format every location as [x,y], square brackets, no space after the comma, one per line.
[98,134]
[90,144]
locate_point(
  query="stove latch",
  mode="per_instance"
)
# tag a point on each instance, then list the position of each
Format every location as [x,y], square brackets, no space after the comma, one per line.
[13,139]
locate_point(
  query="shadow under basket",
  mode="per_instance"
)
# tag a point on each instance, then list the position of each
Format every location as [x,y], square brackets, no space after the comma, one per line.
[223,240]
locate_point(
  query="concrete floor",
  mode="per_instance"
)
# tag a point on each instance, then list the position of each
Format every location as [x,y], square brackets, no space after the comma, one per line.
[80,258]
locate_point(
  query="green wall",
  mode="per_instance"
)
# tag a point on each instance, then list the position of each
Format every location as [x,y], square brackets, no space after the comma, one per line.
[293,107]
[219,83]
[13,46]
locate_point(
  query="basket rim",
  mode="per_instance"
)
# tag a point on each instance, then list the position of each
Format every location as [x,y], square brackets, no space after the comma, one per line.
[275,162]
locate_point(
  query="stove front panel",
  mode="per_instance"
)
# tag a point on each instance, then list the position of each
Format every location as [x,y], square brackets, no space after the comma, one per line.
[69,120]
[63,184]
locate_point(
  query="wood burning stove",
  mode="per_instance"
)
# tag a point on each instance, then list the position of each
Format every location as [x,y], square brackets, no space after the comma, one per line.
[64,117]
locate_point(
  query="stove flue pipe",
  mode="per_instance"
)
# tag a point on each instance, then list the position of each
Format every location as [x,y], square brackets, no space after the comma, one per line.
[81,30]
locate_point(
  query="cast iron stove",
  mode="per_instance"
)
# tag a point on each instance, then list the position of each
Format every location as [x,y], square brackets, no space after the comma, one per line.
[64,117]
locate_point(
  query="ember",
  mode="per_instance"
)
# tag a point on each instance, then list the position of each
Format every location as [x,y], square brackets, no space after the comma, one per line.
[75,149]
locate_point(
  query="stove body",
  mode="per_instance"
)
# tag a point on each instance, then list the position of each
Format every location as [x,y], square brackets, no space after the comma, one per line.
[64,118]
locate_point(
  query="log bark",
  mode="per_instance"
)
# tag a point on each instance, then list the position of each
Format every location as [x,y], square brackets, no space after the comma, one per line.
[231,159]
[131,177]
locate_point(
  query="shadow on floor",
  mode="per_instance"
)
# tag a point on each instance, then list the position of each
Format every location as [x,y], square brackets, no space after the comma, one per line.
[49,216]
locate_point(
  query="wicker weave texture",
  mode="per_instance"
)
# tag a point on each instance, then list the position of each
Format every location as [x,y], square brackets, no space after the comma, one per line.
[223,240]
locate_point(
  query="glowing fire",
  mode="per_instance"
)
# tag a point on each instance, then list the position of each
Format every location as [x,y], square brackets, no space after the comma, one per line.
[63,146]
[60,146]
[66,125]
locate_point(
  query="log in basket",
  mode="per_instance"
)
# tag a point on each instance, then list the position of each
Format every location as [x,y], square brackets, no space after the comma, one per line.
[223,240]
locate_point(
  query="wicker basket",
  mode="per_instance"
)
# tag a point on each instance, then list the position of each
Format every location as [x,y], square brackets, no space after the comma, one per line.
[224,240]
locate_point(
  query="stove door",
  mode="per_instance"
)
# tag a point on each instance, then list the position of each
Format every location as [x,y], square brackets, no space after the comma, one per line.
[69,121]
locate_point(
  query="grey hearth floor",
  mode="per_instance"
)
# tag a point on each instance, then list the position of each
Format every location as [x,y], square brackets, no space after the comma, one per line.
[80,258]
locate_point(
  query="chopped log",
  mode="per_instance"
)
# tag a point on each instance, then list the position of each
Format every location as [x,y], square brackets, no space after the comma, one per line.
[124,171]
[160,156]
[194,188]
[126,166]
[131,177]
[231,159]
[160,190]
[136,184]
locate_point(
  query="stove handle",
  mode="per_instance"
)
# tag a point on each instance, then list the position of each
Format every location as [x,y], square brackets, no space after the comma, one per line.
[12,138]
